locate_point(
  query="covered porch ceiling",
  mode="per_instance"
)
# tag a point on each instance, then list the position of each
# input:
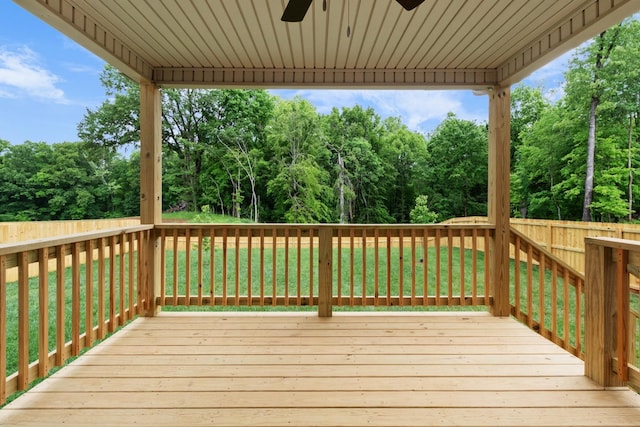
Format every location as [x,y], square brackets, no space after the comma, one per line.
[225,43]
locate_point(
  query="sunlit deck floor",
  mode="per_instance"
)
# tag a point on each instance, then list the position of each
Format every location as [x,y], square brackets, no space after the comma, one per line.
[262,369]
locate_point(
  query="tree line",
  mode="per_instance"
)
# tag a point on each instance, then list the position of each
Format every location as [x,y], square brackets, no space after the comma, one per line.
[250,154]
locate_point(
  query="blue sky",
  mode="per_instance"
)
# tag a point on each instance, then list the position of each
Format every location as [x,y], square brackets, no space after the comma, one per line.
[47,82]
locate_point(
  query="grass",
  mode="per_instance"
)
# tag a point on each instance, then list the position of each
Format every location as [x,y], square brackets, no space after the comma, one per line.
[363,272]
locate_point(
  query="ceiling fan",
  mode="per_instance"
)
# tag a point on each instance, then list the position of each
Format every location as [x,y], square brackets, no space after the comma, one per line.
[296,9]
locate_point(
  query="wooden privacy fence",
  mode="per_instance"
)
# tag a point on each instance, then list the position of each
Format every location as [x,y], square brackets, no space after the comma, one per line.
[21,231]
[98,283]
[564,239]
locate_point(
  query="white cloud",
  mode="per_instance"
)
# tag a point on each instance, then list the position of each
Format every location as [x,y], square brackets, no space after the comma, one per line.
[21,74]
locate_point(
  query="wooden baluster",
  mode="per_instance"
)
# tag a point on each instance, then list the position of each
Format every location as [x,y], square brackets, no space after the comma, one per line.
[376,268]
[487,270]
[187,267]
[516,262]
[60,305]
[351,267]
[578,316]
[622,318]
[462,261]
[438,278]
[565,310]
[554,301]
[364,268]
[131,291]
[237,266]
[23,321]
[262,266]
[425,266]
[311,263]
[212,266]
[274,260]
[530,286]
[75,299]
[299,266]
[121,260]
[225,260]
[339,279]
[286,267]
[541,292]
[449,268]
[400,267]
[175,267]
[43,313]
[413,266]
[101,290]
[388,267]
[249,269]
[163,264]
[112,283]
[200,266]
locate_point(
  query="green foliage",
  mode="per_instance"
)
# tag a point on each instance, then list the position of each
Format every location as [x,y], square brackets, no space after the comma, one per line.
[67,180]
[456,181]
[421,214]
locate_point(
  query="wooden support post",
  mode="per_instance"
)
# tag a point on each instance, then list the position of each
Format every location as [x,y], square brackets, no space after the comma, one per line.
[325,271]
[499,203]
[151,185]
[600,322]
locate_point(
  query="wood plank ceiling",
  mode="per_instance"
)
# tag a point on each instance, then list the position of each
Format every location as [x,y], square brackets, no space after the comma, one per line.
[442,43]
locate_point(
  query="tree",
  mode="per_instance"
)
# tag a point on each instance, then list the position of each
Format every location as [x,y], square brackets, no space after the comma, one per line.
[299,185]
[456,181]
[404,155]
[354,138]
[421,214]
[585,83]
[212,130]
[541,159]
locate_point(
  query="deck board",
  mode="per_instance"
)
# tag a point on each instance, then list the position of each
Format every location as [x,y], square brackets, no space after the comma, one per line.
[351,370]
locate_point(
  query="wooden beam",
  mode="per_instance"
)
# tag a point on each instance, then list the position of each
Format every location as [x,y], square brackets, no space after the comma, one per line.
[326,78]
[151,183]
[498,203]
[600,322]
[325,271]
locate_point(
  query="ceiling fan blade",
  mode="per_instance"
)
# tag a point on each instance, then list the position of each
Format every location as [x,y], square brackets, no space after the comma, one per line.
[295,10]
[410,4]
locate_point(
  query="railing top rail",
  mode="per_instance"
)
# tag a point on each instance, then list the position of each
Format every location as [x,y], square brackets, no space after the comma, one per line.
[259,226]
[615,243]
[30,245]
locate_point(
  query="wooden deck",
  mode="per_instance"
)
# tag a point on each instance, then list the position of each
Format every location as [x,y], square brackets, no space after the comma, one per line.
[462,369]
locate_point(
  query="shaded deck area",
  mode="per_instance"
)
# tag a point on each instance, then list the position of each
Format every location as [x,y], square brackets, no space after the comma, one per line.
[274,369]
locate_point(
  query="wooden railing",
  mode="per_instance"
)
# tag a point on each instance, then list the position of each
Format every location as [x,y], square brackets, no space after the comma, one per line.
[547,294]
[324,266]
[613,323]
[85,286]
[101,280]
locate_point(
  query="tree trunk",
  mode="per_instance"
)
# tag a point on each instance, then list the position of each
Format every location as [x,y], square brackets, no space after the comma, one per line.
[591,154]
[341,187]
[630,141]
